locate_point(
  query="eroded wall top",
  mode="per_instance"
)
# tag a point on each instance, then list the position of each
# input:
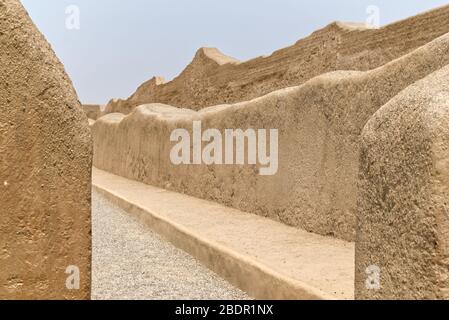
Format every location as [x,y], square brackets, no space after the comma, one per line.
[213,78]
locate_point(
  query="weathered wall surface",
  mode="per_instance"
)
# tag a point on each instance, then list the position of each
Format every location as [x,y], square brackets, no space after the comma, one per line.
[213,78]
[45,168]
[403,208]
[319,130]
[93,111]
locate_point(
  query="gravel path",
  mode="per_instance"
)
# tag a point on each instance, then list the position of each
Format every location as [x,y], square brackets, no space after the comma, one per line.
[132,262]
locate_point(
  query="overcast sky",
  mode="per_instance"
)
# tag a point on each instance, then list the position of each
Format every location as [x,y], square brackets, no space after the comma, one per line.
[120,44]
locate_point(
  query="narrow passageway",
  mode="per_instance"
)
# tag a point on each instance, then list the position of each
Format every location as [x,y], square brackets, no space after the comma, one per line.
[132,262]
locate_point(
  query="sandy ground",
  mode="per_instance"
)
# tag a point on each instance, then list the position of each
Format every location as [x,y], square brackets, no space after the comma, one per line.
[131,262]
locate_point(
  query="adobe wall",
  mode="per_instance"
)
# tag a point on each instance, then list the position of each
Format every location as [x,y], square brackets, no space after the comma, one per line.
[403,222]
[319,124]
[213,78]
[45,168]
[93,111]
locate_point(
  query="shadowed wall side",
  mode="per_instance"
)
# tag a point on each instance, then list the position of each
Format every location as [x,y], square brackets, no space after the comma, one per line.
[403,205]
[45,168]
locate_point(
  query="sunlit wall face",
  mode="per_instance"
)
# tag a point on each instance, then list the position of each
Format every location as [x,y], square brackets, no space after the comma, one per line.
[109,47]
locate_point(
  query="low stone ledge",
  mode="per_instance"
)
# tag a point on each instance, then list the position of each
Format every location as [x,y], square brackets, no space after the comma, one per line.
[264,258]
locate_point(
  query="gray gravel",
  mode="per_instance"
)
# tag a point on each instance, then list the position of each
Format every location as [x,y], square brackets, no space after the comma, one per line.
[132,262]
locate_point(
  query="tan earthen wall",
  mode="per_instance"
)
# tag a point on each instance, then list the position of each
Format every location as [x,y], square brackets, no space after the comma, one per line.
[93,111]
[45,168]
[319,126]
[403,206]
[213,78]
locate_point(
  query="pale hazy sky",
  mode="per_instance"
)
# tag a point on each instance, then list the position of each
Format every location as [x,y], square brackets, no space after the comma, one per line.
[121,44]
